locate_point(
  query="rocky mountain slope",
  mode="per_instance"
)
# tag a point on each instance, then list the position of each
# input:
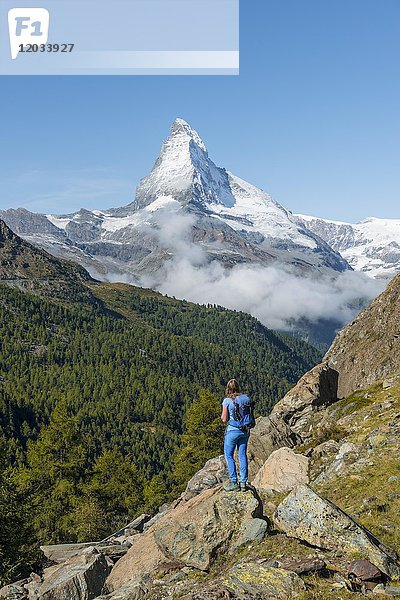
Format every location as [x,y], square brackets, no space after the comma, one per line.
[29,268]
[372,246]
[322,522]
[368,349]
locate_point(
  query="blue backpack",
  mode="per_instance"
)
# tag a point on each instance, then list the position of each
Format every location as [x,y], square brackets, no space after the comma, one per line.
[243,412]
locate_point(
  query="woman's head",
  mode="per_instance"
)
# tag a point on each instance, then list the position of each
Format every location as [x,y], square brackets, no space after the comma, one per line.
[232,388]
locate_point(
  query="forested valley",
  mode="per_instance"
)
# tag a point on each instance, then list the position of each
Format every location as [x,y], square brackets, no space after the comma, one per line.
[110,400]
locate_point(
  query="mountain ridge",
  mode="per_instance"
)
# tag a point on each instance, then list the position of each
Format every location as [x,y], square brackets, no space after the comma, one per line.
[371,246]
[235,221]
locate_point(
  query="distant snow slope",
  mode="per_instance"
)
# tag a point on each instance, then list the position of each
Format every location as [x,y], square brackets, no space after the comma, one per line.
[372,246]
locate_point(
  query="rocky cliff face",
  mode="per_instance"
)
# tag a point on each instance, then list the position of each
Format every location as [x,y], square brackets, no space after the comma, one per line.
[368,349]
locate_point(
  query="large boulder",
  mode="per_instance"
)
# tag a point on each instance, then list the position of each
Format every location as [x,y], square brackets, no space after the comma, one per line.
[305,515]
[315,390]
[269,434]
[192,533]
[253,580]
[282,471]
[132,571]
[213,473]
[81,577]
[196,530]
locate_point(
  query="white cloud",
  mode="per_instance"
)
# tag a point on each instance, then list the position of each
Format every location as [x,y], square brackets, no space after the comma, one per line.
[276,296]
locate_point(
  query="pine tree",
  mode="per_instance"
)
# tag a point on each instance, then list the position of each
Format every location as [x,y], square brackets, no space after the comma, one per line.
[202,439]
[54,471]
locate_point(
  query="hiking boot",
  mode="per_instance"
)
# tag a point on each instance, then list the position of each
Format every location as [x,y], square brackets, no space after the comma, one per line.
[232,486]
[243,486]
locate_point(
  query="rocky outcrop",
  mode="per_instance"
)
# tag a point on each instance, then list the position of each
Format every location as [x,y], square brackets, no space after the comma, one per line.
[305,515]
[253,580]
[368,349]
[79,578]
[283,470]
[195,531]
[213,473]
[315,390]
[269,434]
[133,570]
[192,534]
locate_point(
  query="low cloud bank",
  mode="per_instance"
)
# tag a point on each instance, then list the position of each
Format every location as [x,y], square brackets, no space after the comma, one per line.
[276,296]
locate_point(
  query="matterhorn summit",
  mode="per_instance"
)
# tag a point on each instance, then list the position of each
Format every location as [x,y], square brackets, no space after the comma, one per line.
[184,170]
[186,206]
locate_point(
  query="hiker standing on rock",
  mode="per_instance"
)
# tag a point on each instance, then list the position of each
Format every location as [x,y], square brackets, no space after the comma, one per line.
[237,413]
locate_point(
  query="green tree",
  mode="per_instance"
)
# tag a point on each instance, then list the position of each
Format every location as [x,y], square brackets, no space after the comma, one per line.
[155,493]
[89,520]
[52,477]
[117,486]
[202,438]
[17,551]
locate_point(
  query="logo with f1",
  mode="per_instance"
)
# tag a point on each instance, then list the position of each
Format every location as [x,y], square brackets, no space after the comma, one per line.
[27,26]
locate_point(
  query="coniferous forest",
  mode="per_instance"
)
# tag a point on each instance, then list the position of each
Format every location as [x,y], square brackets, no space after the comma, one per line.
[110,400]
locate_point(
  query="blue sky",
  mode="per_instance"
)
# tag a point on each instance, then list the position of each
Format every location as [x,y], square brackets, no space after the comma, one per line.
[313,117]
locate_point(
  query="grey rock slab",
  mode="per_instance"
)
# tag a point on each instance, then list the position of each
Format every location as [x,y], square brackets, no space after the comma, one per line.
[254,530]
[307,516]
[79,578]
[13,592]
[213,473]
[61,552]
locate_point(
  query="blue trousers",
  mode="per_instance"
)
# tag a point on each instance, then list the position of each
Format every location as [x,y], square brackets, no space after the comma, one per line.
[236,439]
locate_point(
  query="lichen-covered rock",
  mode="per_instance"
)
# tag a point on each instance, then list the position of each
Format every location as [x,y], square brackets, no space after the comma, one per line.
[282,471]
[81,577]
[305,515]
[213,473]
[316,389]
[197,529]
[253,580]
[269,434]
[253,530]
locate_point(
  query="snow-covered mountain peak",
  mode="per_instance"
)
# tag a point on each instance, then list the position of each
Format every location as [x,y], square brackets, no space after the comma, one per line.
[184,171]
[372,246]
[181,127]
